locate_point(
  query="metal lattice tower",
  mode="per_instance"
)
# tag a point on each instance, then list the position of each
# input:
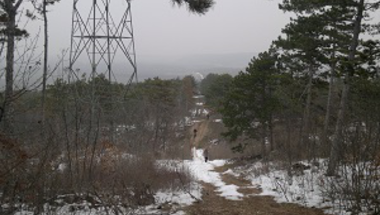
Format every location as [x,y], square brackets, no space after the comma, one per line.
[102,33]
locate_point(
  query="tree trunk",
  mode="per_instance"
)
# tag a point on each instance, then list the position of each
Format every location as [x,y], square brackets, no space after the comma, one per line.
[264,140]
[10,9]
[305,134]
[337,137]
[44,76]
[271,138]
[328,105]
[8,103]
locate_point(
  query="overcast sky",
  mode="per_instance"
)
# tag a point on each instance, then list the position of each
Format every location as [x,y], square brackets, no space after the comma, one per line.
[231,26]
[171,36]
[167,36]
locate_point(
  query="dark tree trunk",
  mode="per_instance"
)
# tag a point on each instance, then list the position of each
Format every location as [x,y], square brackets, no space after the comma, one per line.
[10,8]
[264,140]
[44,76]
[305,134]
[337,137]
[8,107]
[326,122]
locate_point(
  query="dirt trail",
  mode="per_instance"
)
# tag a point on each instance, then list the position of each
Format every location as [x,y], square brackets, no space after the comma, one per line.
[213,204]
[251,204]
[201,128]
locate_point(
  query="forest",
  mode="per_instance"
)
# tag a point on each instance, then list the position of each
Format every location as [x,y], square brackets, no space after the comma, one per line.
[308,108]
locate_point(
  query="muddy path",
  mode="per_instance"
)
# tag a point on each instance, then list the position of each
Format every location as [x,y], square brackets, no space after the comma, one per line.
[251,204]
[199,132]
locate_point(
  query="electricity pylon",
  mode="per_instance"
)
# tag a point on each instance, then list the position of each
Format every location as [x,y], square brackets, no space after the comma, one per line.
[101,37]
[102,32]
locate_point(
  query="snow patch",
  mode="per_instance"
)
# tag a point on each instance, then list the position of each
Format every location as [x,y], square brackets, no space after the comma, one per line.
[204,172]
[180,197]
[305,186]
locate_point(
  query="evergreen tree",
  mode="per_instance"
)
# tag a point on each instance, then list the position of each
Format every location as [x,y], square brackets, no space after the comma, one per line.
[317,38]
[214,87]
[250,103]
[188,89]
[302,48]
[196,6]
[10,8]
[341,23]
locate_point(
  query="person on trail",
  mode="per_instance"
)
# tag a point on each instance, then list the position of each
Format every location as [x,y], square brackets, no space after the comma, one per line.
[205,154]
[208,116]
[195,132]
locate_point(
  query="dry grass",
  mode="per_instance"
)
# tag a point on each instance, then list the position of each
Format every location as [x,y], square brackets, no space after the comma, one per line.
[139,178]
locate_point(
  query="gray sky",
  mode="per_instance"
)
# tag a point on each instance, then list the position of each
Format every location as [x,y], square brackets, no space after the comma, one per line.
[231,26]
[171,42]
[168,38]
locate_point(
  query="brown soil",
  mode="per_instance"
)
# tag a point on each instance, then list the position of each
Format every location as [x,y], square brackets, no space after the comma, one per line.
[245,186]
[252,204]
[202,132]
[214,204]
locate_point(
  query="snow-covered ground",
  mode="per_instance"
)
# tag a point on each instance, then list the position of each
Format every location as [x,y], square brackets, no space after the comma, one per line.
[176,198]
[200,171]
[203,171]
[303,187]
[307,185]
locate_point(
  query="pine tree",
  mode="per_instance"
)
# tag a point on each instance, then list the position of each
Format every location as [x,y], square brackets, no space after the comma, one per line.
[214,87]
[349,70]
[340,26]
[10,8]
[249,105]
[196,6]
[303,46]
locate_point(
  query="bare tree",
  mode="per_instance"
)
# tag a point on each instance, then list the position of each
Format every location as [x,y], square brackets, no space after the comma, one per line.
[42,9]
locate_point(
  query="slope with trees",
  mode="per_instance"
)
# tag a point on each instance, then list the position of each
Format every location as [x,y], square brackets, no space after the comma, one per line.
[77,154]
[250,104]
[214,87]
[313,95]
[326,55]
